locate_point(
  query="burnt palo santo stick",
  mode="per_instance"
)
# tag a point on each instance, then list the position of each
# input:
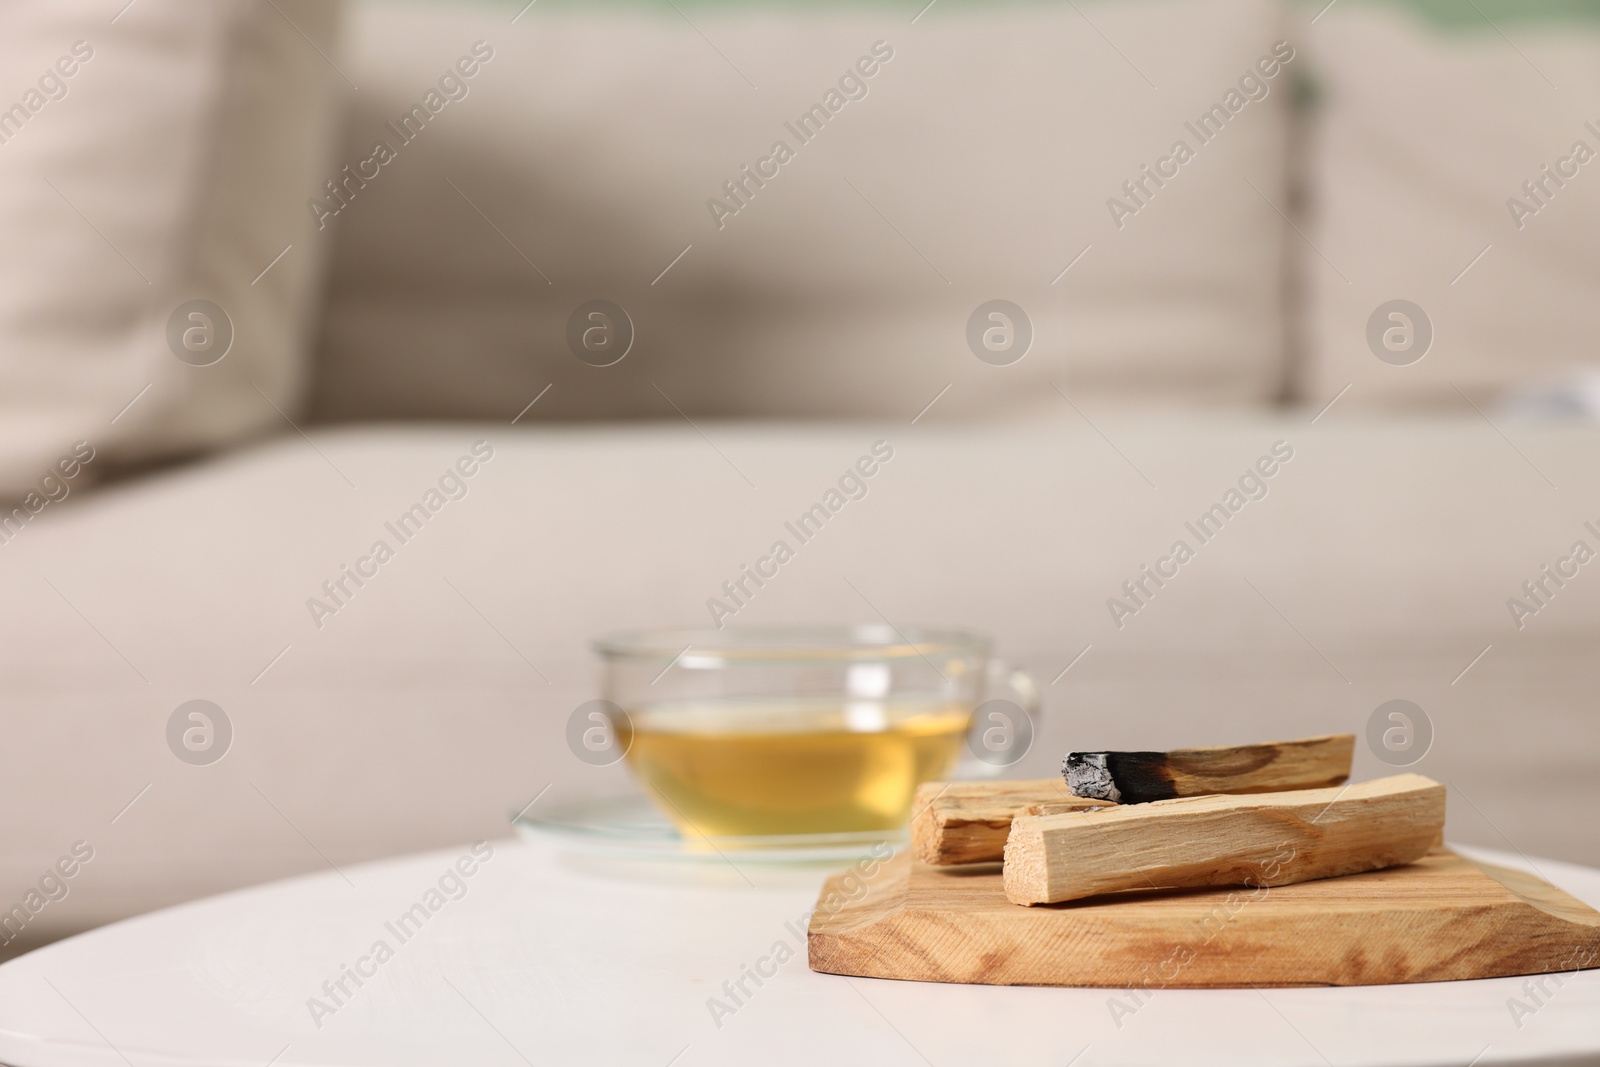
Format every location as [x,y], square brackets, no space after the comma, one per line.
[1268,839]
[967,822]
[1140,777]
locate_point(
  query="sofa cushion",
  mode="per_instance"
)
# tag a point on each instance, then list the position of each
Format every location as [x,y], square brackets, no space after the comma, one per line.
[433,698]
[1437,178]
[976,162]
[153,166]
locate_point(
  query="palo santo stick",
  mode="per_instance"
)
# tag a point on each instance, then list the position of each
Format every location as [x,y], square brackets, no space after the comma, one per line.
[967,822]
[1139,777]
[1268,839]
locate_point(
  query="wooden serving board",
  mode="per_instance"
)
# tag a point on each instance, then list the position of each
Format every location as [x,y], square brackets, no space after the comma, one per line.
[1439,919]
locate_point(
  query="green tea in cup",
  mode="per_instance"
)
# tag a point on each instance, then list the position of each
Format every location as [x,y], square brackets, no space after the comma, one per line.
[759,732]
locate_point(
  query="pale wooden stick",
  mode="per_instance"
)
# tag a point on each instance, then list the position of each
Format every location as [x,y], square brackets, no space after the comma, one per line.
[1140,777]
[967,822]
[1269,839]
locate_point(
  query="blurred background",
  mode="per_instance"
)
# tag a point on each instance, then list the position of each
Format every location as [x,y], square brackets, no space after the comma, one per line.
[274,267]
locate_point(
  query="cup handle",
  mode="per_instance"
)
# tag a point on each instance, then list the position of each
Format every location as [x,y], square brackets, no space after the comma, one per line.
[1003,726]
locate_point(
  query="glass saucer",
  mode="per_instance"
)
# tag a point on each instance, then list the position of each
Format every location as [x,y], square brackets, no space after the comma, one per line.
[631,827]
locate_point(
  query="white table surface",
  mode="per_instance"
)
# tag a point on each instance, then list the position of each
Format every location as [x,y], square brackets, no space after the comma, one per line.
[552,958]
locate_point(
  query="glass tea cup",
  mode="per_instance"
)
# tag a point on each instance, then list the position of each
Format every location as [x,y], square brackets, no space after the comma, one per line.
[756,732]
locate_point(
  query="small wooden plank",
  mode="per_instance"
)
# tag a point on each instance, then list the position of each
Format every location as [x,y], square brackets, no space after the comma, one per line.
[1264,839]
[1442,918]
[967,822]
[1141,777]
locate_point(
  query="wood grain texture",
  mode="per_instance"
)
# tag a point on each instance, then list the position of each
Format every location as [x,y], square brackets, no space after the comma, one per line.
[1264,839]
[1141,777]
[967,822]
[1442,918]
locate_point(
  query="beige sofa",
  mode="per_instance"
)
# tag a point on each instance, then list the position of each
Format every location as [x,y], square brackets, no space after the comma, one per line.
[1206,330]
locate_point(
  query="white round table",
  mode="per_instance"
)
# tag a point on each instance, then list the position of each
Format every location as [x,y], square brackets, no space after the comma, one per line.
[541,957]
